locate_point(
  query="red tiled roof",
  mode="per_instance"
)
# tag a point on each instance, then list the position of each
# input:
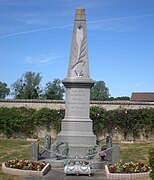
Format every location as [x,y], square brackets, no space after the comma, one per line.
[142,96]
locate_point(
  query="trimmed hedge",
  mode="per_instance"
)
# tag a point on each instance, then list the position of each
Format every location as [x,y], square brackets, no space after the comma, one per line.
[23,121]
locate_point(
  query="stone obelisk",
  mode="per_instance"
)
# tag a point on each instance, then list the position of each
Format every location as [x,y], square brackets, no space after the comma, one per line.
[76,128]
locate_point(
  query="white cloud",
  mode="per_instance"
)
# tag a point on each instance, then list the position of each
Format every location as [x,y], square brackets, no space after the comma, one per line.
[29,59]
[117,24]
[35,18]
[33,31]
[42,58]
[107,27]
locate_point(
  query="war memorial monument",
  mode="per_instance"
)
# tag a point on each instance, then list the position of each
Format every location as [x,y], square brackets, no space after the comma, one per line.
[76,140]
[76,128]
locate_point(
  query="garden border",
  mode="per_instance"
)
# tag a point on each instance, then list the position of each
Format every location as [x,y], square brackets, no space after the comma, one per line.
[124,176]
[21,172]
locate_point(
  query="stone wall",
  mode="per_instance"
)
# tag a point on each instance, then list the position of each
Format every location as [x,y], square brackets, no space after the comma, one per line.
[36,104]
[59,104]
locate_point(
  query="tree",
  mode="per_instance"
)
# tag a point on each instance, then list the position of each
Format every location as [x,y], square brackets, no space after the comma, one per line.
[4,91]
[122,98]
[99,91]
[54,90]
[28,86]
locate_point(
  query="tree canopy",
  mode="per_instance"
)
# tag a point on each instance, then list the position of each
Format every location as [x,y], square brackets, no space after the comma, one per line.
[28,86]
[54,90]
[4,91]
[99,91]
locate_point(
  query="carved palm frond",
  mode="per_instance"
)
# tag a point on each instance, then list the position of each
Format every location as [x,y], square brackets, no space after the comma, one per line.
[82,51]
[75,50]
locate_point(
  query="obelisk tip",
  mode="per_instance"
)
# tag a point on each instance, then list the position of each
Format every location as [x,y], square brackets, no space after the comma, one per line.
[80,11]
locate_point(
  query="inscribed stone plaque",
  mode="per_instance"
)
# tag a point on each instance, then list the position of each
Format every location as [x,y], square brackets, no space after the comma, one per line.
[77,103]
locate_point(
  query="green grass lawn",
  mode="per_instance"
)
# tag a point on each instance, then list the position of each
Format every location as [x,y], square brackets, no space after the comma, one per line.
[135,151]
[16,149]
[13,149]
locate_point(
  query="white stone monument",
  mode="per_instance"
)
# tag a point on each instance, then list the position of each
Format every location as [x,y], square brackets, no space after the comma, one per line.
[76,127]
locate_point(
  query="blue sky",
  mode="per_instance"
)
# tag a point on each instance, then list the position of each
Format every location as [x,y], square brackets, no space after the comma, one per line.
[35,35]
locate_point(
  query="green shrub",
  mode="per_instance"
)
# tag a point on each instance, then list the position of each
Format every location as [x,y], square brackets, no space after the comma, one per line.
[26,121]
[49,118]
[15,122]
[125,121]
[151,163]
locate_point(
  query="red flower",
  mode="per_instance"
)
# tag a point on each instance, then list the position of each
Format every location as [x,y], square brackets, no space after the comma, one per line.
[128,167]
[86,163]
[26,165]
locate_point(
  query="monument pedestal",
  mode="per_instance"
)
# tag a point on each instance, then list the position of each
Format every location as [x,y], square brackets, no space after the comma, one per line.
[76,127]
[79,142]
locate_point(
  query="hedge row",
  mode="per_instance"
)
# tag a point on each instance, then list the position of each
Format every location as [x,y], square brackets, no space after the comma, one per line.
[25,121]
[135,122]
[151,163]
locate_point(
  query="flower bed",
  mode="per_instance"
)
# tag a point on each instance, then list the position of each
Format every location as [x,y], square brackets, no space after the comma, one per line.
[25,167]
[127,170]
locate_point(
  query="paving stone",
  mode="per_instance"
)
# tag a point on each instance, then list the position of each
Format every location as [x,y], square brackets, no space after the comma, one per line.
[59,175]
